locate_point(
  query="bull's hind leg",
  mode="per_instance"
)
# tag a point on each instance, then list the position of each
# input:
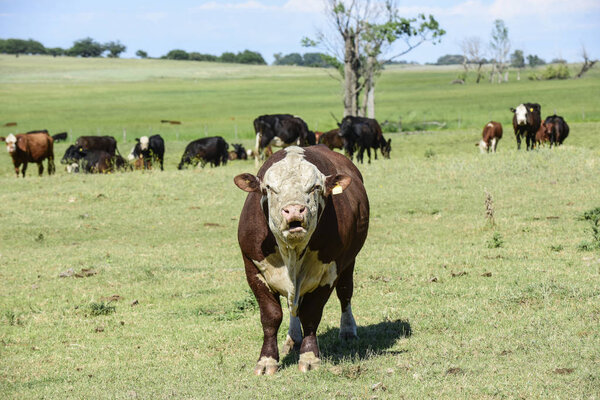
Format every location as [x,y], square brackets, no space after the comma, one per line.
[40,168]
[518,141]
[270,318]
[344,290]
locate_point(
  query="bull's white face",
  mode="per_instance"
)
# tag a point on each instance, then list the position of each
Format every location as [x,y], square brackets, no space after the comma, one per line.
[144,143]
[521,114]
[294,191]
[11,143]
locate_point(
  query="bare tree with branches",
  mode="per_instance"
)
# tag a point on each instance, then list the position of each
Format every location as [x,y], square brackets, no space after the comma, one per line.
[365,32]
[500,47]
[587,63]
[472,49]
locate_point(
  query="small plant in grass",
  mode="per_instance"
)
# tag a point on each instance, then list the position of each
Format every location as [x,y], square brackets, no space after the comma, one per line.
[429,153]
[102,308]
[557,248]
[593,216]
[489,208]
[496,241]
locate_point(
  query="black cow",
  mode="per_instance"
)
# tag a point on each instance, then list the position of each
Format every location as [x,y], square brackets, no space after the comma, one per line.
[104,143]
[238,153]
[59,137]
[526,121]
[281,130]
[363,134]
[211,150]
[556,129]
[149,149]
[91,161]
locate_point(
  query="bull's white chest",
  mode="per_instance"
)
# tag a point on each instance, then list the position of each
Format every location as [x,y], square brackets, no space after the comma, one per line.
[293,277]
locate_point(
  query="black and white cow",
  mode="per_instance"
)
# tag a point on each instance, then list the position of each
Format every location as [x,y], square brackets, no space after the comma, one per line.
[149,149]
[91,161]
[526,121]
[211,150]
[280,130]
[304,221]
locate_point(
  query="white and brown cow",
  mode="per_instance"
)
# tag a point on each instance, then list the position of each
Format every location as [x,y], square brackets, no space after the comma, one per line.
[492,133]
[526,122]
[304,221]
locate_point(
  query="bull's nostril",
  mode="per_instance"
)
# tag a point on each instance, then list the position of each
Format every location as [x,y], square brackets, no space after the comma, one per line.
[302,209]
[285,210]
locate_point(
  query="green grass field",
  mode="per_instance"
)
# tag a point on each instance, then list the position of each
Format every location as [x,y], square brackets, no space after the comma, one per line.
[448,305]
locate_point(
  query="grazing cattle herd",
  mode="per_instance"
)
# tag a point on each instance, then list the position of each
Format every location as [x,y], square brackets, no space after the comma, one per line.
[100,154]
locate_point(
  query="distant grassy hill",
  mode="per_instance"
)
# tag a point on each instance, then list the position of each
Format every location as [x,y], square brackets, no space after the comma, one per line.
[106,96]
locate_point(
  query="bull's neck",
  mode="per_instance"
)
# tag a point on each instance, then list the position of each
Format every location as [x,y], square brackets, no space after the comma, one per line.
[293,257]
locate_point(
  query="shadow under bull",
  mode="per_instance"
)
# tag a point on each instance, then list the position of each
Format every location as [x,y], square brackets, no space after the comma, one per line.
[372,339]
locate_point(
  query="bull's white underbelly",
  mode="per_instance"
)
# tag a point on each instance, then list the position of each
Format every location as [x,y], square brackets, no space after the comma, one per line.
[295,278]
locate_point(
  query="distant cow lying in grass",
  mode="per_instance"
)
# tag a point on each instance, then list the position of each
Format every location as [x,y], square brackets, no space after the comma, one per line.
[33,147]
[238,152]
[92,161]
[492,133]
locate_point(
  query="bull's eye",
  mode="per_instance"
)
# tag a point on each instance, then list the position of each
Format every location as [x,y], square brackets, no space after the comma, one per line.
[269,188]
[315,188]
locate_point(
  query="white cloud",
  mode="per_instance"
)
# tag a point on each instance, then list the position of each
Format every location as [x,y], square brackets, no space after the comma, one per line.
[308,6]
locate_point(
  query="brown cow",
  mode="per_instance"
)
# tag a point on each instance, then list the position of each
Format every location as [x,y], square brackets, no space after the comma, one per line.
[304,221]
[332,139]
[492,133]
[32,147]
[541,136]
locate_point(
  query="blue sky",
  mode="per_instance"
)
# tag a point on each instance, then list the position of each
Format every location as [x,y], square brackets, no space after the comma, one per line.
[548,28]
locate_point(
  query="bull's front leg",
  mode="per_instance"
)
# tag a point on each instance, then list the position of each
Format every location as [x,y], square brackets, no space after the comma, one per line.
[22,170]
[40,168]
[270,318]
[310,313]
[518,141]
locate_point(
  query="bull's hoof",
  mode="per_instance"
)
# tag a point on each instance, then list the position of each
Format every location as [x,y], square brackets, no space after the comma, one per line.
[288,346]
[348,336]
[266,366]
[308,361]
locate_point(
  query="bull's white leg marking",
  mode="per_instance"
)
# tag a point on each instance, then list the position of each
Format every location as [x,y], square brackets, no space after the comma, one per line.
[494,144]
[256,150]
[266,366]
[294,336]
[347,324]
[308,361]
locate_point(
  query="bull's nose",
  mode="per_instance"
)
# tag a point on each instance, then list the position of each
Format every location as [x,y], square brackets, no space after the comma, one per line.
[294,212]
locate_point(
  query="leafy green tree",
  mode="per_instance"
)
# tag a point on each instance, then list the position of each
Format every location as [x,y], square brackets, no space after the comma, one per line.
[228,57]
[250,57]
[450,59]
[533,60]
[114,49]
[500,47]
[56,51]
[87,47]
[141,54]
[195,56]
[289,59]
[16,46]
[177,54]
[517,59]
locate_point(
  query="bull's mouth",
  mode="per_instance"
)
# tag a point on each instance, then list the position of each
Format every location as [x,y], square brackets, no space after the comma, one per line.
[296,227]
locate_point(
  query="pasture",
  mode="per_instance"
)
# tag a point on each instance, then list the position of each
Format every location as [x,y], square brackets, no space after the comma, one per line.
[153,301]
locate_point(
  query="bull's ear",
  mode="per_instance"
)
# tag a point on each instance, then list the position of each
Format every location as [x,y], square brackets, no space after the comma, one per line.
[336,184]
[2,138]
[137,139]
[247,182]
[512,109]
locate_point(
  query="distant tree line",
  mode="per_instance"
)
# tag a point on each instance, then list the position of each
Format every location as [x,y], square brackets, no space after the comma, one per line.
[243,57]
[305,60]
[87,47]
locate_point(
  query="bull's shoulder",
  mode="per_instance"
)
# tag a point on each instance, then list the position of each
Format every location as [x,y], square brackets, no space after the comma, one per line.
[254,236]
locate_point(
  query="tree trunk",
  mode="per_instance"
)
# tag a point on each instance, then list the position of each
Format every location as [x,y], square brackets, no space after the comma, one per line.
[349,76]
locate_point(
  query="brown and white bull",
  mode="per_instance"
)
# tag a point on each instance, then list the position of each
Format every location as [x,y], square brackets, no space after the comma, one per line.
[492,133]
[31,147]
[304,221]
